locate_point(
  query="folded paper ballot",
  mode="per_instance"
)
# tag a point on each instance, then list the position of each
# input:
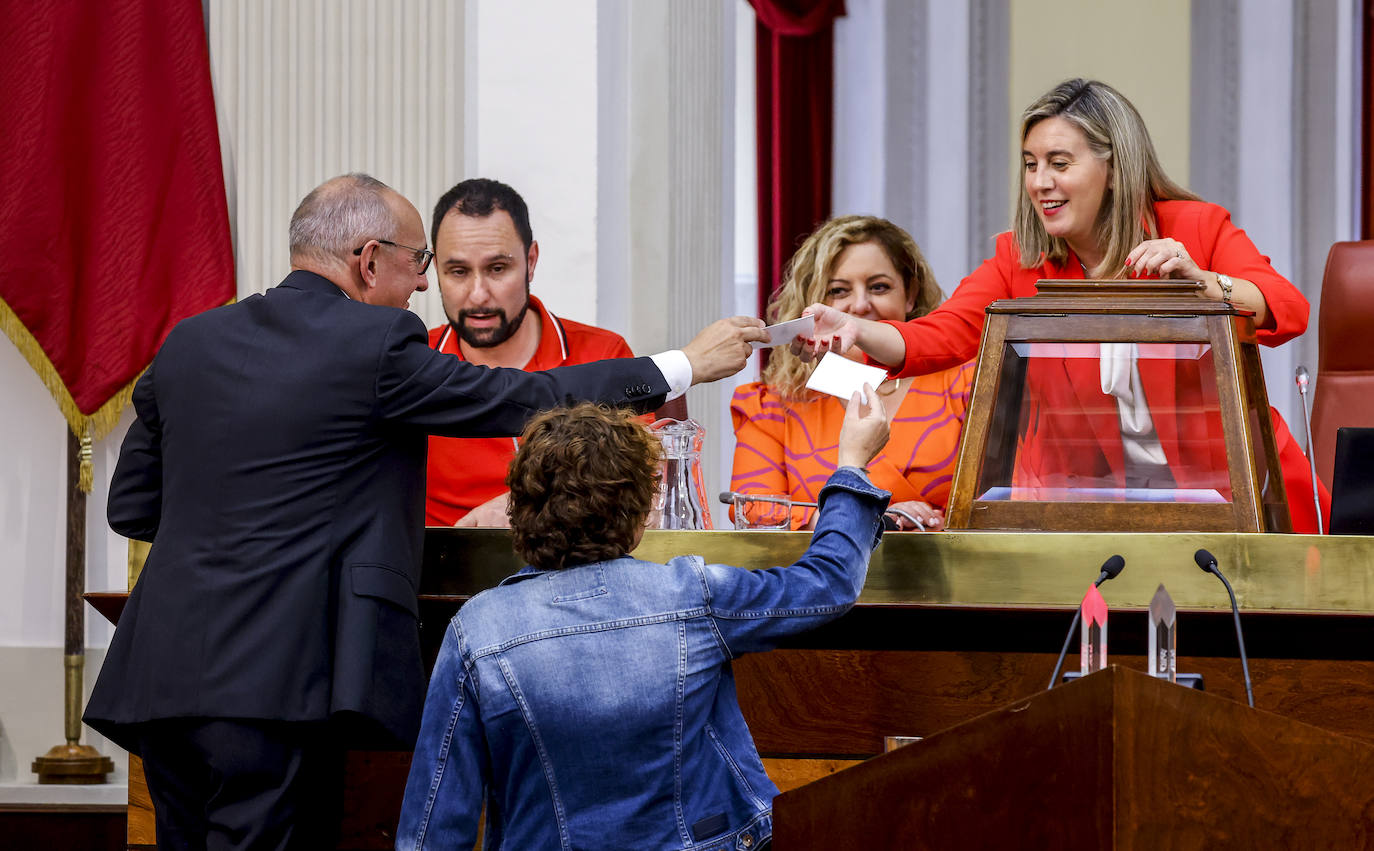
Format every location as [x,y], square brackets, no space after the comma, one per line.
[784,332]
[842,377]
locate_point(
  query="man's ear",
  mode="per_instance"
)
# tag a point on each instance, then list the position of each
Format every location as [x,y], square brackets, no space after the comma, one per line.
[367,266]
[532,259]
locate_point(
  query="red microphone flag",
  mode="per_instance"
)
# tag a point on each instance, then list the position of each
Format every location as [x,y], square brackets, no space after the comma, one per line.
[113,219]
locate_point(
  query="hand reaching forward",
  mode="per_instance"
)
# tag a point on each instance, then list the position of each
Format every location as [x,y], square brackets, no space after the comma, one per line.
[722,348]
[491,513]
[1169,258]
[865,430]
[1164,258]
[931,518]
[835,332]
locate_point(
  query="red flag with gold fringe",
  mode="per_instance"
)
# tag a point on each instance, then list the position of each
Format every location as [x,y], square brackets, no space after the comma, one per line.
[113,220]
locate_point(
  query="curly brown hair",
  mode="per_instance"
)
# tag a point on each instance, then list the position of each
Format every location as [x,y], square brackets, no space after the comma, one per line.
[808,275]
[581,485]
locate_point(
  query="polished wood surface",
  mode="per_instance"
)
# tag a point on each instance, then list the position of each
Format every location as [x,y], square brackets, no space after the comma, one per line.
[142,831]
[791,773]
[842,703]
[1116,760]
[953,625]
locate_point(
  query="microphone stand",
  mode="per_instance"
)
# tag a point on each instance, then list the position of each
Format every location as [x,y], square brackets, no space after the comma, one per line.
[1110,569]
[1240,642]
[1064,651]
[729,497]
[1301,377]
[1208,563]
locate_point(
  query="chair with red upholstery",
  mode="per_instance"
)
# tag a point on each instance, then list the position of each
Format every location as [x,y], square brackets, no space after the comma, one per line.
[1344,395]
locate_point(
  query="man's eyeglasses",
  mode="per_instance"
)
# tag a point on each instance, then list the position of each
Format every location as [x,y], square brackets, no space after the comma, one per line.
[422,255]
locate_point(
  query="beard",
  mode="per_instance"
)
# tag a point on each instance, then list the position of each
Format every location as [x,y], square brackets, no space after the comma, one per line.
[495,335]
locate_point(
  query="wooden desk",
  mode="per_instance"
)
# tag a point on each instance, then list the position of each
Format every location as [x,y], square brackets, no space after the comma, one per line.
[953,625]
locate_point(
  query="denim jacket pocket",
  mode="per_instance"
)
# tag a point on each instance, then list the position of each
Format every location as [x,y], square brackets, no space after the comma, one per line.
[384,583]
[734,768]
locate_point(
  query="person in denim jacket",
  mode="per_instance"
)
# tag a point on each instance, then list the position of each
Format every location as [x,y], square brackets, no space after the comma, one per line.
[588,700]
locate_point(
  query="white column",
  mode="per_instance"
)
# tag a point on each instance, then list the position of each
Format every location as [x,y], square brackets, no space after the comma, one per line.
[532,109]
[859,183]
[700,279]
[1326,152]
[1276,112]
[947,144]
[314,88]
[1265,186]
[920,119]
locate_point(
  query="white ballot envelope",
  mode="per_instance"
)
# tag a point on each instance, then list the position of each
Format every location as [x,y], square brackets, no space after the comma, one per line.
[784,332]
[842,377]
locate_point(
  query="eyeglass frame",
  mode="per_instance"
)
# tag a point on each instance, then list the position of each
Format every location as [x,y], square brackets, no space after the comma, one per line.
[426,256]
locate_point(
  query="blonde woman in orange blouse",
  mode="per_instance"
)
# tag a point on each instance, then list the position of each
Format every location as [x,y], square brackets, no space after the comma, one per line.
[786,435]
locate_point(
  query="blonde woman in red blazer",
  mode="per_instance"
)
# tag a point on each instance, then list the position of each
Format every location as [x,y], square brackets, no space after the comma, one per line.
[1097,204]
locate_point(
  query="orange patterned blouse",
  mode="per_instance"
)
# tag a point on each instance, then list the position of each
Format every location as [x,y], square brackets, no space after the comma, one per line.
[791,449]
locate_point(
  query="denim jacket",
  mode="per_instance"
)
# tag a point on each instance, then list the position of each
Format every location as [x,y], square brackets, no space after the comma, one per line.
[595,706]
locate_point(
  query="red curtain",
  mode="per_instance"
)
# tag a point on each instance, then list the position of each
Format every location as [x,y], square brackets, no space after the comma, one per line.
[113,220]
[794,79]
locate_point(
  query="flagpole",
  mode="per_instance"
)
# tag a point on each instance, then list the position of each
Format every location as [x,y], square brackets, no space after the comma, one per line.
[73,762]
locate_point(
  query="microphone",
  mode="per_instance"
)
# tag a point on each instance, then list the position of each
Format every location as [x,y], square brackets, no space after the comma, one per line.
[728,497]
[889,521]
[1208,563]
[1111,568]
[1301,377]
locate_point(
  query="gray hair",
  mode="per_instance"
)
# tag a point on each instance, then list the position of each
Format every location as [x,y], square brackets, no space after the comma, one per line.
[338,216]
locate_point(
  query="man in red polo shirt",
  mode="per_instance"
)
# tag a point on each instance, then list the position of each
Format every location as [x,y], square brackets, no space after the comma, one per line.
[485,254]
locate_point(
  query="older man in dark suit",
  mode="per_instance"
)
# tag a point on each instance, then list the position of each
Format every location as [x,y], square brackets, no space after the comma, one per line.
[277,463]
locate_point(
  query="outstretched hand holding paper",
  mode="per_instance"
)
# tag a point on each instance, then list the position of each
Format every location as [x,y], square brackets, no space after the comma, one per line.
[785,332]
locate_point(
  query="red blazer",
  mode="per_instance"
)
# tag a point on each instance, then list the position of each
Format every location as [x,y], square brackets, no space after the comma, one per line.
[951,333]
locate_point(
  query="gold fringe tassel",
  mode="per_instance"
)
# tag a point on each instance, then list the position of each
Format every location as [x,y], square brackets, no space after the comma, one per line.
[87,427]
[87,477]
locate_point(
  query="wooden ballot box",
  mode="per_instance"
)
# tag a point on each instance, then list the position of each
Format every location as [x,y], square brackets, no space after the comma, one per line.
[1118,406]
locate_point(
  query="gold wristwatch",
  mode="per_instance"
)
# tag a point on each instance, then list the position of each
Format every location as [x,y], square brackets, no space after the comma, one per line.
[1225,283]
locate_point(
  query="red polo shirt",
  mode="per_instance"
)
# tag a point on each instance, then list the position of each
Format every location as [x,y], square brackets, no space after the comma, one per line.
[465,472]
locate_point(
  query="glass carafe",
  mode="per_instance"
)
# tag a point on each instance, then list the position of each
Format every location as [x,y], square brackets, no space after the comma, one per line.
[681,501]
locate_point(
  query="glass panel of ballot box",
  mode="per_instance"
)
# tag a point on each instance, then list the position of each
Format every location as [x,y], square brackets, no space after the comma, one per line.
[1118,405]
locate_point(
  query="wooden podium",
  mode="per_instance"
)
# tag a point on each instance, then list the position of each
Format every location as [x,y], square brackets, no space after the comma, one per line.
[1115,760]
[951,627]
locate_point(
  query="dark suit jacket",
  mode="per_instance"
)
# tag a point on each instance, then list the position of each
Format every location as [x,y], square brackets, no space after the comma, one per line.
[277,464]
